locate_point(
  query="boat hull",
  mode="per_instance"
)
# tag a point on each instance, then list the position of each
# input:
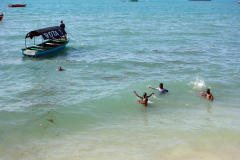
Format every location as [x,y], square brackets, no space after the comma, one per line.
[16,5]
[1,16]
[34,53]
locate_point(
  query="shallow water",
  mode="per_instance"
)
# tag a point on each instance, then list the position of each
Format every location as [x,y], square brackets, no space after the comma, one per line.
[89,110]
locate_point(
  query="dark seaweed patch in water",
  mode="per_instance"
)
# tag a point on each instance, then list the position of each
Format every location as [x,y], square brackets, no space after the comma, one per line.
[50,120]
[113,77]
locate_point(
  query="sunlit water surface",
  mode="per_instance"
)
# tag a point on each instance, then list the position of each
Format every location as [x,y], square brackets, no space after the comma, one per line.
[89,110]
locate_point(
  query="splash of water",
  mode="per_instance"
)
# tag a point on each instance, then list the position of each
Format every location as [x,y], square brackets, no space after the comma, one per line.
[198,83]
[156,97]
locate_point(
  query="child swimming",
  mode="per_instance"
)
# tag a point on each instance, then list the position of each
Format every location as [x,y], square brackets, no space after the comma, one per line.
[208,95]
[144,98]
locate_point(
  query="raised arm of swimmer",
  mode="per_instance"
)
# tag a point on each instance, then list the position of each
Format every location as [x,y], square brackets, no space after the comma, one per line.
[137,95]
[152,88]
[150,95]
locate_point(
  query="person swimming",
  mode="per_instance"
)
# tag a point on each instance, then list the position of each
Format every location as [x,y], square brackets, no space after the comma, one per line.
[144,98]
[60,68]
[208,95]
[160,88]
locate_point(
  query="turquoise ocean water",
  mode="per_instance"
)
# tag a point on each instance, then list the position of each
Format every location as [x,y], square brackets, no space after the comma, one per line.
[90,112]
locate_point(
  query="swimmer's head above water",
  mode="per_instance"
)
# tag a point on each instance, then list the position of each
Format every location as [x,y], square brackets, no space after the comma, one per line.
[208,91]
[60,68]
[161,85]
[144,94]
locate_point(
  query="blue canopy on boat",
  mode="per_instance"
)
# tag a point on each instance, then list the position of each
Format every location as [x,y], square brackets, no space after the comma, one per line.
[47,33]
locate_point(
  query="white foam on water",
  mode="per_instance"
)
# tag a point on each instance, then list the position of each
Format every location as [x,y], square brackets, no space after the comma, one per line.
[198,83]
[156,97]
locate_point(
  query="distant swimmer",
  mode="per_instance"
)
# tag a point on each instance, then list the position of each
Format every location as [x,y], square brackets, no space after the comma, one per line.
[208,95]
[160,88]
[60,68]
[144,98]
[62,25]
